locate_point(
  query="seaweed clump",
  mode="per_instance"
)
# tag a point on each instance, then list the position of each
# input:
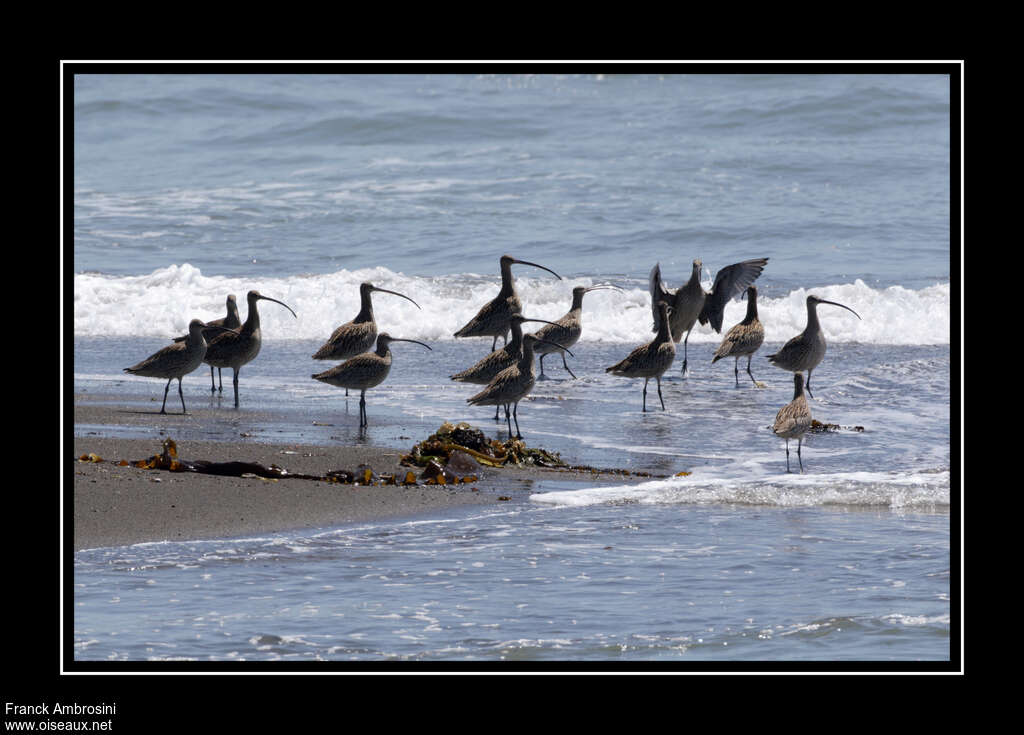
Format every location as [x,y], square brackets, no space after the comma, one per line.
[456,444]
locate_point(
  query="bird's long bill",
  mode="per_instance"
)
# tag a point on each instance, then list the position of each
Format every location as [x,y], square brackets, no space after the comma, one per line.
[396,339]
[549,342]
[535,265]
[267,298]
[845,307]
[544,321]
[395,293]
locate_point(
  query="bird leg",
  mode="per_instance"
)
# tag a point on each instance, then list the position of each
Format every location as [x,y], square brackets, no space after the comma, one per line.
[736,370]
[180,395]
[213,385]
[748,368]
[542,364]
[659,393]
[566,367]
[362,409]
[508,418]
[235,381]
[807,385]
[799,443]
[645,394]
[220,378]
[166,387]
[787,455]
[515,411]
[685,341]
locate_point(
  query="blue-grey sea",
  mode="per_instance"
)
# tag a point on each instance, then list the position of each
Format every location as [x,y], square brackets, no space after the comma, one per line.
[188,187]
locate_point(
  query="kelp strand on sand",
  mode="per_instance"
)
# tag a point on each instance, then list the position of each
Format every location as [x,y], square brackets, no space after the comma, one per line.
[168,460]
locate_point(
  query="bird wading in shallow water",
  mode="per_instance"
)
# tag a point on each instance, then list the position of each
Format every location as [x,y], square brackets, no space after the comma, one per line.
[652,359]
[177,360]
[235,349]
[511,385]
[807,349]
[364,371]
[484,370]
[794,419]
[691,302]
[567,330]
[744,339]
[493,318]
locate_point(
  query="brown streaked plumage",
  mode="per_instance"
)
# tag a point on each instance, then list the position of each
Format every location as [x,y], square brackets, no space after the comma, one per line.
[357,336]
[511,385]
[652,359]
[691,302]
[567,330]
[231,321]
[493,318]
[794,419]
[177,359]
[484,370]
[744,339]
[364,371]
[807,349]
[235,349]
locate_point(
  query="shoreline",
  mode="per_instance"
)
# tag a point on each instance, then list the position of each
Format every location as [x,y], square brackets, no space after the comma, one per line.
[119,505]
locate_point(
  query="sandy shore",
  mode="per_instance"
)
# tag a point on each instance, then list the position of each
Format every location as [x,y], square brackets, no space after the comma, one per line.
[116,505]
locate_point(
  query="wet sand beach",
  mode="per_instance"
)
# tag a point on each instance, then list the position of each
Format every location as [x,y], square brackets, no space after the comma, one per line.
[117,505]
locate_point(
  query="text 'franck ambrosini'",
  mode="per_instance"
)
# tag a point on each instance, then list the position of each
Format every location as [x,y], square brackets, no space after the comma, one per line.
[59,709]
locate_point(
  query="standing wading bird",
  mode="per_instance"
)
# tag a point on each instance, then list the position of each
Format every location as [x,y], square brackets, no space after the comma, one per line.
[364,371]
[652,359]
[807,349]
[794,419]
[493,318]
[483,372]
[177,359]
[238,348]
[357,336]
[691,302]
[743,339]
[231,321]
[511,385]
[567,330]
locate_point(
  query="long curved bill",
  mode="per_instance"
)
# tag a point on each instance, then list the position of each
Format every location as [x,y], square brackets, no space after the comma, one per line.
[397,339]
[267,298]
[555,344]
[845,307]
[535,265]
[395,293]
[602,287]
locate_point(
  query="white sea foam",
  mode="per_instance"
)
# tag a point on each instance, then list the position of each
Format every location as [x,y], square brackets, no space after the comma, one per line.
[161,304]
[894,490]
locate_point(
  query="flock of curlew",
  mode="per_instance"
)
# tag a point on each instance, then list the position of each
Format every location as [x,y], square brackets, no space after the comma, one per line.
[507,373]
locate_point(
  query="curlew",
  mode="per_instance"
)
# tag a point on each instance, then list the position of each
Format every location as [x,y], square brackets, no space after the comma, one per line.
[364,371]
[567,330]
[807,349]
[652,359]
[231,321]
[484,370]
[794,419]
[241,347]
[744,339]
[691,302]
[512,384]
[177,359]
[357,336]
[493,317]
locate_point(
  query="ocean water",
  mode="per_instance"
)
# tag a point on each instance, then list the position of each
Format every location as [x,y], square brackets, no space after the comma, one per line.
[190,187]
